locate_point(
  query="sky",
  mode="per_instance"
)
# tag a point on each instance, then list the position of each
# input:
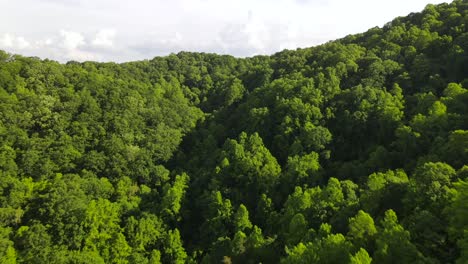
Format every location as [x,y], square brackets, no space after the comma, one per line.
[129,30]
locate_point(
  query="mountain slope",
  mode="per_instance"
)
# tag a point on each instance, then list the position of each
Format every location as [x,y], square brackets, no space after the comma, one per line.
[351,151]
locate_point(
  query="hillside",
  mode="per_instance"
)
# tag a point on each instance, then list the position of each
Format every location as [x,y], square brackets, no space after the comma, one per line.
[354,151]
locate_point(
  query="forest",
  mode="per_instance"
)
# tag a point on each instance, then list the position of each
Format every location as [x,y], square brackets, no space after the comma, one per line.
[353,151]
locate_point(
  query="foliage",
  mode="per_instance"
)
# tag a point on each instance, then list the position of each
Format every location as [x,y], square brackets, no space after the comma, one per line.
[354,151]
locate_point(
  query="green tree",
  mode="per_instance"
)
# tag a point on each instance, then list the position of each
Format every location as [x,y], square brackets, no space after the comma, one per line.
[241,219]
[173,195]
[362,230]
[393,243]
[458,213]
[361,257]
[7,247]
[173,248]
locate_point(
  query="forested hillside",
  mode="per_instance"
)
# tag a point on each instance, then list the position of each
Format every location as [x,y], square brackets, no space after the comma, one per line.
[354,151]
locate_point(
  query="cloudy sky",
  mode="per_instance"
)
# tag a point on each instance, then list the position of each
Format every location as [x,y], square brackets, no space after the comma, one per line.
[124,30]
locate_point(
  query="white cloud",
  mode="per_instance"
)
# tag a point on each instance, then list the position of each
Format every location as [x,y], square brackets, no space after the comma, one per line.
[79,55]
[104,38]
[87,29]
[48,42]
[252,37]
[22,43]
[6,41]
[63,46]
[71,40]
[13,42]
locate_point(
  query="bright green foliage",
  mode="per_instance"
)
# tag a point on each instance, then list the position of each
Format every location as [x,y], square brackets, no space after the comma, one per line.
[291,157]
[248,167]
[393,243]
[458,213]
[36,244]
[173,248]
[430,186]
[7,250]
[361,257]
[455,151]
[330,249]
[155,257]
[233,92]
[238,243]
[302,169]
[362,229]
[241,219]
[144,233]
[384,191]
[103,229]
[84,257]
[172,198]
[217,215]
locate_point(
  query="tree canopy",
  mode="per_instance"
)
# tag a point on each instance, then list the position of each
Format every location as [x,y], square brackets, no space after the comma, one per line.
[354,151]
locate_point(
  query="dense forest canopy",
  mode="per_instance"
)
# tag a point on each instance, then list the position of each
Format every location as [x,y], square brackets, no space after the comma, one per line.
[354,151]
